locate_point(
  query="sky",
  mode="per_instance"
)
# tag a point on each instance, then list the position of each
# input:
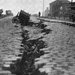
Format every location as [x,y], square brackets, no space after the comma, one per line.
[30,6]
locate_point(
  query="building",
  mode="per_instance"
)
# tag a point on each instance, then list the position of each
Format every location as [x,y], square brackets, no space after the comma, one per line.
[59,8]
[9,12]
[72,11]
[46,12]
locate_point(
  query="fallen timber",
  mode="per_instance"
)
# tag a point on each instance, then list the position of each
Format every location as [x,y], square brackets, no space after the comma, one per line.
[58,21]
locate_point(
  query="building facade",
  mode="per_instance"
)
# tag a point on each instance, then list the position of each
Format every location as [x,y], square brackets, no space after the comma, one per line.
[59,8]
[46,12]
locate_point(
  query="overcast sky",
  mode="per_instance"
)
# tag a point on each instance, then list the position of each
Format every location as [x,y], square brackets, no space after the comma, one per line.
[31,6]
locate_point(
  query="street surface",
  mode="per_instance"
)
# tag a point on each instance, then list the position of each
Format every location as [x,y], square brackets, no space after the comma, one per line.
[10,40]
[59,57]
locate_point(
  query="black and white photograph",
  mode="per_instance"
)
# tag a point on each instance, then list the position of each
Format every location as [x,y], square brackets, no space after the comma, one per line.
[37,37]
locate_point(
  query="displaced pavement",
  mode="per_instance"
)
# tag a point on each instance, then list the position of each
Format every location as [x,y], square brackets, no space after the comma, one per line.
[59,57]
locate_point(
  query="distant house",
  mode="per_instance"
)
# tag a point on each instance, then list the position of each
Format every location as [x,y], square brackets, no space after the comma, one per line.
[59,8]
[9,13]
[46,12]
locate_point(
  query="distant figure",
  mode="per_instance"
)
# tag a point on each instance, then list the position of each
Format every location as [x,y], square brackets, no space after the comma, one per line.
[39,14]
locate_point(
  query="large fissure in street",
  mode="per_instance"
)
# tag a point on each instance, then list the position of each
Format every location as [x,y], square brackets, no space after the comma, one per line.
[30,49]
[38,48]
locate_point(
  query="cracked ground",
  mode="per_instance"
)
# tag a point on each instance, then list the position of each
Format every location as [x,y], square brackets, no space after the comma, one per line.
[59,57]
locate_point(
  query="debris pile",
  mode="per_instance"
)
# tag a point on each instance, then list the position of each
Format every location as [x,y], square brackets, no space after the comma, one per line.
[30,49]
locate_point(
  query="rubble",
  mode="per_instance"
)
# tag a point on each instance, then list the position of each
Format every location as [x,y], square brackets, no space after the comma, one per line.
[39,51]
[31,51]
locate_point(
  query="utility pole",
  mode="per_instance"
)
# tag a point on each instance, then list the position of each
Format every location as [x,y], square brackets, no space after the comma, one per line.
[43,8]
[71,0]
[43,5]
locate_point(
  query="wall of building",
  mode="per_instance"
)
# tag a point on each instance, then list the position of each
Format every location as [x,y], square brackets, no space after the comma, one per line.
[59,8]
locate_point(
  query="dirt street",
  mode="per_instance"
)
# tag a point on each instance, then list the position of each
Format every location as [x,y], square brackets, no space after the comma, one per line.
[59,57]
[10,40]
[60,54]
